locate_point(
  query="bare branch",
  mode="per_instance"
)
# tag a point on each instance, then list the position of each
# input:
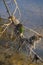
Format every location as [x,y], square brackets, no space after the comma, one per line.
[16,8]
[6,24]
[15,11]
[5,28]
[3,31]
[32,31]
[8,11]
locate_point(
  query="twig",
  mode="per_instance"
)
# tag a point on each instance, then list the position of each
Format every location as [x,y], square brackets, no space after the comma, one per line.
[3,31]
[17,8]
[5,28]
[8,11]
[33,31]
[6,24]
[15,11]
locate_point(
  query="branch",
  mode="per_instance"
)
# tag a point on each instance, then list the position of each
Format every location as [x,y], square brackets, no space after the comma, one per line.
[16,9]
[6,24]
[8,11]
[33,31]
[5,28]
[32,52]
[3,31]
